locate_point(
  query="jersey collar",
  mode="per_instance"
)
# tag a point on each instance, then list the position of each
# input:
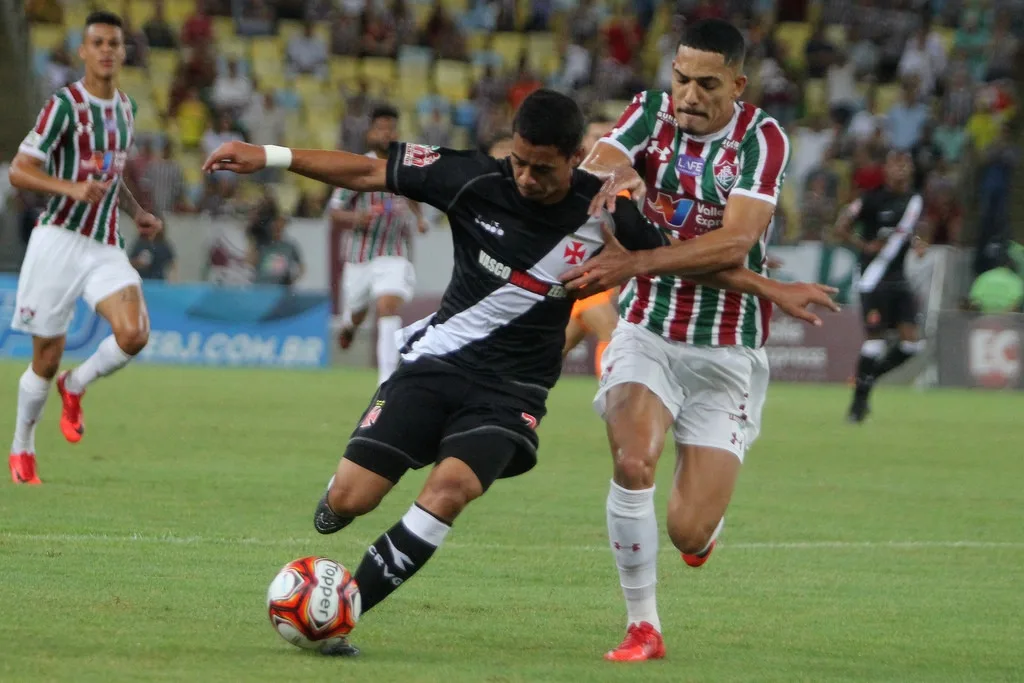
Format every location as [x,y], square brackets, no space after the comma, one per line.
[721,132]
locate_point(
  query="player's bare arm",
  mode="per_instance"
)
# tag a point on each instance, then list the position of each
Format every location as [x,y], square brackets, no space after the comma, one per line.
[746,218]
[417,212]
[144,220]
[27,173]
[793,298]
[341,169]
[616,168]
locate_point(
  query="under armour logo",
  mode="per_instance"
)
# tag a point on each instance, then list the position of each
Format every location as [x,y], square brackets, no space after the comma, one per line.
[635,547]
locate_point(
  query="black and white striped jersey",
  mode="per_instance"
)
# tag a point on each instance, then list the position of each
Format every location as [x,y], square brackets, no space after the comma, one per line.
[504,313]
[892,218]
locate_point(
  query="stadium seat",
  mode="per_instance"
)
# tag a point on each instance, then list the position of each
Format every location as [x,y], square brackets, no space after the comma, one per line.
[815,96]
[134,80]
[456,8]
[267,49]
[344,70]
[223,28]
[476,41]
[177,11]
[510,47]
[479,62]
[411,89]
[886,96]
[414,59]
[46,36]
[379,73]
[542,54]
[452,79]
[836,34]
[162,64]
[793,36]
[234,46]
[141,12]
[310,88]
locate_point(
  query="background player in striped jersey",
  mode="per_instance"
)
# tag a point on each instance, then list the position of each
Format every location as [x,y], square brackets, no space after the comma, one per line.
[684,356]
[76,152]
[377,243]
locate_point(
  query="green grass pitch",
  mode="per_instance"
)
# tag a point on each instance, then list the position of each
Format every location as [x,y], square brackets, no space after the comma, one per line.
[888,552]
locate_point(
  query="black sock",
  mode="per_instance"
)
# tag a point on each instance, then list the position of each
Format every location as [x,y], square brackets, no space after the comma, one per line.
[398,554]
[897,356]
[866,372]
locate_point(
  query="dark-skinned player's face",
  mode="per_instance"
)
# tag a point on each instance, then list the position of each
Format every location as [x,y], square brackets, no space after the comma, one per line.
[704,89]
[543,174]
[898,169]
[102,50]
[383,131]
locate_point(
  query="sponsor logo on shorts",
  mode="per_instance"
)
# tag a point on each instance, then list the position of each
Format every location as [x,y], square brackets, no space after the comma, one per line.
[420,156]
[26,314]
[371,415]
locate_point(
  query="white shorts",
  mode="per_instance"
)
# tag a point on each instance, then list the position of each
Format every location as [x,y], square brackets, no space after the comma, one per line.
[59,267]
[363,283]
[715,394]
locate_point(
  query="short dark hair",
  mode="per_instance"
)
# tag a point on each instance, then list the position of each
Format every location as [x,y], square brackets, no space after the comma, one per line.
[383,111]
[718,36]
[549,118]
[104,17]
[500,136]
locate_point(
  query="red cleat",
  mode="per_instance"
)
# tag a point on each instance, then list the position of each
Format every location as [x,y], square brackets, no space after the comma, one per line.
[642,642]
[23,468]
[699,560]
[72,422]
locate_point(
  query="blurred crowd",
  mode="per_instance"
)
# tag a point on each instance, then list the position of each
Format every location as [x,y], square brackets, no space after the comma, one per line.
[849,79]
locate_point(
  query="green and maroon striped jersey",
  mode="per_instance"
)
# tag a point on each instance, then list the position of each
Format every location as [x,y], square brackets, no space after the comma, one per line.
[689,181]
[80,137]
[389,232]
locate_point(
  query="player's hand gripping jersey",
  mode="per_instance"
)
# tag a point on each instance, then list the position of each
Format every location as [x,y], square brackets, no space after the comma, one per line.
[689,180]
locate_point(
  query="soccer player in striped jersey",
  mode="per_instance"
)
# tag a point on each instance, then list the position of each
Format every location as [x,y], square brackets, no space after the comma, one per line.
[76,152]
[685,356]
[378,238]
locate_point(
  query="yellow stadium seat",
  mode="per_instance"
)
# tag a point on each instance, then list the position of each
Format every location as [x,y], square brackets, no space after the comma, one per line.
[161,98]
[886,96]
[267,49]
[815,96]
[420,14]
[46,36]
[836,34]
[378,71]
[234,46]
[793,36]
[542,51]
[344,69]
[308,87]
[456,7]
[476,41]
[271,80]
[223,28]
[287,197]
[614,109]
[452,79]
[177,11]
[75,14]
[288,29]
[509,47]
[411,90]
[163,62]
[141,12]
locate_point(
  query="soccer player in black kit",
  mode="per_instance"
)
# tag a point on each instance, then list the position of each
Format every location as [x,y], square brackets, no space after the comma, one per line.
[474,377]
[888,218]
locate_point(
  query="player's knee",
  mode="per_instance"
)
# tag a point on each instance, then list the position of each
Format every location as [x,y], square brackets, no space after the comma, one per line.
[132,337]
[449,490]
[634,468]
[351,501]
[46,361]
[689,533]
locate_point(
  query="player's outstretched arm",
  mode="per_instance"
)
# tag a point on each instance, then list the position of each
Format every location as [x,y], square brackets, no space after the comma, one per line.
[27,173]
[793,298]
[341,169]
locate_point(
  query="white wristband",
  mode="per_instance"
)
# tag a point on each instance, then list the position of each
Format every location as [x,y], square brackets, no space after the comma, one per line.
[278,157]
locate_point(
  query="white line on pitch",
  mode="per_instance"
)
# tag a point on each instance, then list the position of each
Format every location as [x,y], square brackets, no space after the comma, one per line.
[169,539]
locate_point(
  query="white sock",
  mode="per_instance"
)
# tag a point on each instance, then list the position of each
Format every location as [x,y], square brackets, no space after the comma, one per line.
[387,348]
[32,393]
[108,358]
[633,534]
[425,526]
[714,536]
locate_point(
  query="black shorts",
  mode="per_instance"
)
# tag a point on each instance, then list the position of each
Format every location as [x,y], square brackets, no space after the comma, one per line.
[429,410]
[888,306]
